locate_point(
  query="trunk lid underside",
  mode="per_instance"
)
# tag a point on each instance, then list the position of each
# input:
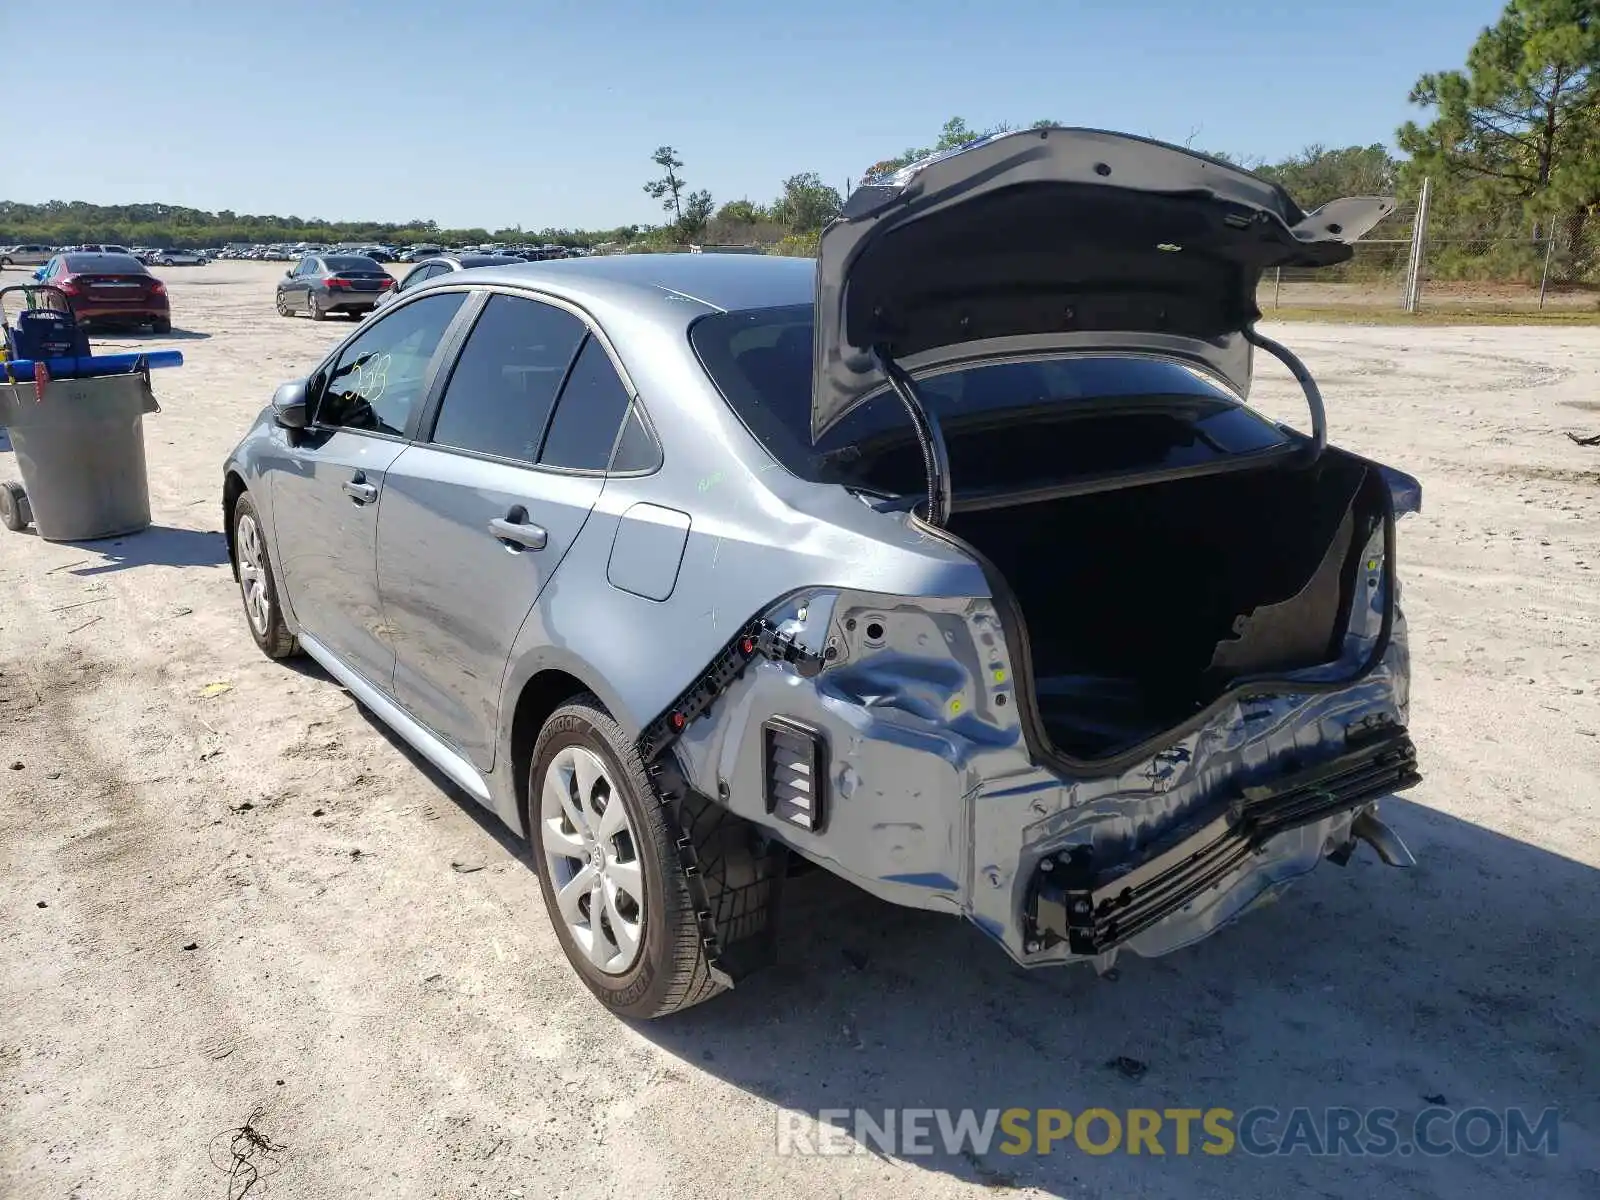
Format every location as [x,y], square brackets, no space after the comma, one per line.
[1057,241]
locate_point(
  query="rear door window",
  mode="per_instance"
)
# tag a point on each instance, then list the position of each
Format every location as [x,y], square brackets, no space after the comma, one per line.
[504,384]
[591,412]
[379,378]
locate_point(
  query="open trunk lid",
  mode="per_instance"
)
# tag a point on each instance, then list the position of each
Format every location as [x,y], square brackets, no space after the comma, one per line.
[1053,241]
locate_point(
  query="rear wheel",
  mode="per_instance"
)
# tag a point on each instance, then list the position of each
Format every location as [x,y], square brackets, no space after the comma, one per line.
[258,586]
[15,514]
[162,325]
[609,870]
[318,313]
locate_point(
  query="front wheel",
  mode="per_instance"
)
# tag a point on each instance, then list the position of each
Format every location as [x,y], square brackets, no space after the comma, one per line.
[608,868]
[281,302]
[258,585]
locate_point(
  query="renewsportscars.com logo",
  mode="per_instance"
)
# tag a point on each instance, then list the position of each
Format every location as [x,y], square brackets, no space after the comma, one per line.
[1261,1131]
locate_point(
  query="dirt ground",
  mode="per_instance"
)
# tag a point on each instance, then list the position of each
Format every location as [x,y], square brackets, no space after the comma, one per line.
[231,900]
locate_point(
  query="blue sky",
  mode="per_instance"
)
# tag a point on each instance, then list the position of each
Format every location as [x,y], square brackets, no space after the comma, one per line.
[494,112]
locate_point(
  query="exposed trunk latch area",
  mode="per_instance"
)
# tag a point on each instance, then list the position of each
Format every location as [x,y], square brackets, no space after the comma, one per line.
[758,639]
[1095,907]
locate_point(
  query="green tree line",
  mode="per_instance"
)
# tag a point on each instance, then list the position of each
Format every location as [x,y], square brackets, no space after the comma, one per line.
[66,223]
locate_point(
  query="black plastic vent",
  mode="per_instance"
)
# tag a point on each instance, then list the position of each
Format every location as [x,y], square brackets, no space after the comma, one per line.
[794,767]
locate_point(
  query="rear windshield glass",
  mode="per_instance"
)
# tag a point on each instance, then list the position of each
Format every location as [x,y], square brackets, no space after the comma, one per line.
[761,360]
[104,264]
[351,262]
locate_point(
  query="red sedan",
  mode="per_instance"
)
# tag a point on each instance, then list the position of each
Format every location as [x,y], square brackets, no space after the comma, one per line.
[107,289]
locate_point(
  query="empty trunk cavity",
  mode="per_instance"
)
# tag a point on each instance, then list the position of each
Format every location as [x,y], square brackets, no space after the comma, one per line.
[1143,605]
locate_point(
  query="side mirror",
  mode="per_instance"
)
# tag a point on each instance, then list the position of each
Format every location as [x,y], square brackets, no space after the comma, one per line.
[289,405]
[289,274]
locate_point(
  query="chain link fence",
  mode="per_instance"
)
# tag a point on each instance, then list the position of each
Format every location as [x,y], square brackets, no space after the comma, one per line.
[1470,261]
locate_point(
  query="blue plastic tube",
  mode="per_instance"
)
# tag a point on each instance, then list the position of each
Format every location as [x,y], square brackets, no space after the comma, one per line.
[21,370]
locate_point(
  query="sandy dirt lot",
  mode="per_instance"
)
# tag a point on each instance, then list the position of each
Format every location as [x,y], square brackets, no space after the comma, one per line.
[228,898]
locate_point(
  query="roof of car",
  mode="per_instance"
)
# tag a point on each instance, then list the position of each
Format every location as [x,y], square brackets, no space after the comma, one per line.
[96,260]
[476,260]
[664,282]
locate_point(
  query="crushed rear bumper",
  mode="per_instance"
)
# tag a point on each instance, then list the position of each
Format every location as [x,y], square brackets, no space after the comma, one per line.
[1094,907]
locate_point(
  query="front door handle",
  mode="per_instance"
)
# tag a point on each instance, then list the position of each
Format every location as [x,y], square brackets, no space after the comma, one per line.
[517,532]
[359,490]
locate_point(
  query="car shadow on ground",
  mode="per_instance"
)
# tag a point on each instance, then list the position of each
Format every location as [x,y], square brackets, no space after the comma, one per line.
[513,845]
[516,847]
[1301,1003]
[157,546]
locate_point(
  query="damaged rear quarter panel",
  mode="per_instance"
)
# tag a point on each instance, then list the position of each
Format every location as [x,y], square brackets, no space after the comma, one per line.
[915,719]
[933,802]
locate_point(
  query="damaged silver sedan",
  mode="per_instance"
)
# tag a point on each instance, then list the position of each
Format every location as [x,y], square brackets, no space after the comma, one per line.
[952,562]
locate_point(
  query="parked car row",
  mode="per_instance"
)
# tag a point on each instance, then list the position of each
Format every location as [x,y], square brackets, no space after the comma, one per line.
[36,254]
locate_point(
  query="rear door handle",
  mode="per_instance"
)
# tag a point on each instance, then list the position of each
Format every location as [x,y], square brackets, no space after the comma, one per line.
[359,490]
[518,532]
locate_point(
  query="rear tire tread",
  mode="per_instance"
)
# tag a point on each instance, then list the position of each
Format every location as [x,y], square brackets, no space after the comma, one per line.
[683,977]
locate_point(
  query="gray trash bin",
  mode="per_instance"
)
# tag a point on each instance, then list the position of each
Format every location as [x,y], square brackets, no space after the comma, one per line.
[81,455]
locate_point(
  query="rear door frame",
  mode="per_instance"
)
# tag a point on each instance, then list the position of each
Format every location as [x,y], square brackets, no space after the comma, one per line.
[419,432]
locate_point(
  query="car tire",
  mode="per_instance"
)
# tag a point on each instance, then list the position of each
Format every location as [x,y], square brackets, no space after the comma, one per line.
[163,325]
[281,303]
[258,583]
[668,970]
[15,514]
[315,305]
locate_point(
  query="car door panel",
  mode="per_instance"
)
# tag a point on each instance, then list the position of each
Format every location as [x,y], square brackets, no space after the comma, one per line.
[475,530]
[327,545]
[456,588]
[327,499]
